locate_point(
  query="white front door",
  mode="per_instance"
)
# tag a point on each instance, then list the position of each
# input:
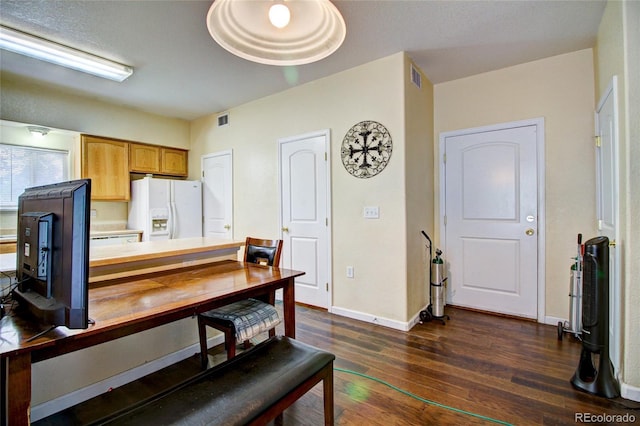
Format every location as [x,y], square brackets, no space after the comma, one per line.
[491,216]
[607,206]
[217,195]
[304,179]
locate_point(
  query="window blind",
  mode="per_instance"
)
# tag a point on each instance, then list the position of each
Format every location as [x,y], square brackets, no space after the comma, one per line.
[23,167]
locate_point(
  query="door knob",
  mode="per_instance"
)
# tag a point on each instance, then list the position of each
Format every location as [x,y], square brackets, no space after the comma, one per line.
[285,229]
[529,232]
[227,227]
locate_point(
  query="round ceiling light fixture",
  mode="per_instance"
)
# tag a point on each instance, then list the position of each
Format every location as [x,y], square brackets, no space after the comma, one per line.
[315,29]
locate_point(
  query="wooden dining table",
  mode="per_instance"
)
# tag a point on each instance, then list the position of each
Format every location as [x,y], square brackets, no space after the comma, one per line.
[125,306]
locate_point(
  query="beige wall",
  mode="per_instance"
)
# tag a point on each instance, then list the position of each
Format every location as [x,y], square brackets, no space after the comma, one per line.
[65,374]
[617,54]
[418,112]
[28,102]
[559,89]
[375,248]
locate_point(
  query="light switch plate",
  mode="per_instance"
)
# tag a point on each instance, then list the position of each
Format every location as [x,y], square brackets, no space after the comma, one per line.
[371,212]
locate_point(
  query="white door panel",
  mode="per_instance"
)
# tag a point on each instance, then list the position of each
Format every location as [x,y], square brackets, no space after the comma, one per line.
[217,195]
[495,182]
[304,256]
[491,211]
[304,174]
[477,276]
[303,202]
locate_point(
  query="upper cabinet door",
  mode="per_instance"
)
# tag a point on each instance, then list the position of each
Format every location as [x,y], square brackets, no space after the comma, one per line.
[174,162]
[144,158]
[106,162]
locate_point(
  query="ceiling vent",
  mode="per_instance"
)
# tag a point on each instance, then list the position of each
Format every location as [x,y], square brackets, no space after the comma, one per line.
[416,77]
[223,119]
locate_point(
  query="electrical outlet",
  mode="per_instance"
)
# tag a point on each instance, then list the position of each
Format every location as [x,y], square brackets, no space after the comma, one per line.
[371,212]
[94,212]
[349,271]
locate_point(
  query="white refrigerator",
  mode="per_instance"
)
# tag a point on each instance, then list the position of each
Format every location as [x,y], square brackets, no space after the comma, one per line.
[166,208]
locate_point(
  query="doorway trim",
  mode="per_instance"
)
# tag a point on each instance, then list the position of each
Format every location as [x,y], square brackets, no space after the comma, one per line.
[539,123]
[326,134]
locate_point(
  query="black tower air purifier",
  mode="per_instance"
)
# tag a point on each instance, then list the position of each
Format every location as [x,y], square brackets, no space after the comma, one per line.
[595,323]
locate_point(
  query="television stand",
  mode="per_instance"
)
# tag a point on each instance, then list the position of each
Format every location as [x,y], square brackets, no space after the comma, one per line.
[48,310]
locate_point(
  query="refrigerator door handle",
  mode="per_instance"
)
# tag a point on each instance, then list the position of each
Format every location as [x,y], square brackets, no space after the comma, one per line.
[174,216]
[172,210]
[171,219]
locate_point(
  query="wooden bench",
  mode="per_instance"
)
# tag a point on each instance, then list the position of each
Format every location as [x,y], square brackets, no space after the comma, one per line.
[253,388]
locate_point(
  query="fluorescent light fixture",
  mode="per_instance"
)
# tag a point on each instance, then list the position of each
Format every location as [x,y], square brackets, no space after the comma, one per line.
[45,50]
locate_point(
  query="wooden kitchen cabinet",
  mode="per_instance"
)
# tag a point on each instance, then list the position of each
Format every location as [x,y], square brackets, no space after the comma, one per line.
[156,159]
[144,158]
[106,162]
[174,161]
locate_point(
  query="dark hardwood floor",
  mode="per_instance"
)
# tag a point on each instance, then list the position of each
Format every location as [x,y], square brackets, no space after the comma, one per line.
[477,369]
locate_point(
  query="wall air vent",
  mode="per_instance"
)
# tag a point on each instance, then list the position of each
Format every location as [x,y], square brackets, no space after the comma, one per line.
[416,77]
[223,119]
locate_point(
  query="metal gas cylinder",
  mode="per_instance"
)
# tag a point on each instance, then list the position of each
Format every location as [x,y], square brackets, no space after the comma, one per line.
[438,285]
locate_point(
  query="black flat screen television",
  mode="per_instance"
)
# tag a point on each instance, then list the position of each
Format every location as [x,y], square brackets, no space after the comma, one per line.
[52,259]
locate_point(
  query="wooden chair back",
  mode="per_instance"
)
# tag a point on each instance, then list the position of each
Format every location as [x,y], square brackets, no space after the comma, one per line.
[266,252]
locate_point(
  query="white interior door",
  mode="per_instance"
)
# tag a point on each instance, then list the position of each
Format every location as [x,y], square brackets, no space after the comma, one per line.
[607,206]
[217,195]
[304,179]
[491,216]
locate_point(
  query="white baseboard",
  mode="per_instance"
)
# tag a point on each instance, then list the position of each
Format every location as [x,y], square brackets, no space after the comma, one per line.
[405,326]
[630,392]
[553,320]
[415,320]
[53,406]
[362,316]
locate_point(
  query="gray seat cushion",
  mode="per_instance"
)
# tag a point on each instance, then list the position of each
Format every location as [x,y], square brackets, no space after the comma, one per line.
[249,317]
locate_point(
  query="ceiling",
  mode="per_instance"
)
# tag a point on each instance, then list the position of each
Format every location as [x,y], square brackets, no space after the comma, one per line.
[181,72]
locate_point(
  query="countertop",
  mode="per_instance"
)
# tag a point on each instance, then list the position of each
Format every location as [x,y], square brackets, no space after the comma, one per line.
[116,232]
[146,250]
[132,253]
[11,239]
